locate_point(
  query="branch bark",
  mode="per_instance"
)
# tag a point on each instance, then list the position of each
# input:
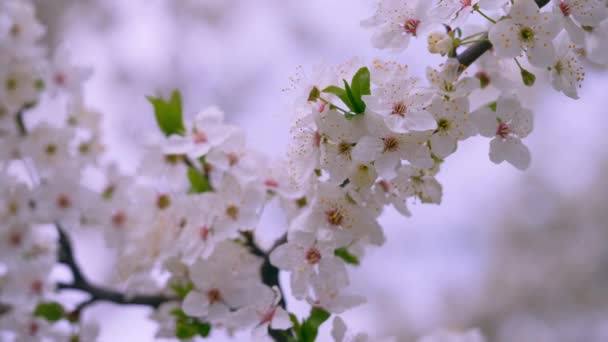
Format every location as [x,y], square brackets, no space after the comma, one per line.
[97,293]
[472,53]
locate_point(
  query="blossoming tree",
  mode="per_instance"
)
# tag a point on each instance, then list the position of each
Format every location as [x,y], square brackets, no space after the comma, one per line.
[364,136]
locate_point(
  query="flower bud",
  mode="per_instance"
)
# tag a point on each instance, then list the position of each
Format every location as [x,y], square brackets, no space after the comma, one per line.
[440,43]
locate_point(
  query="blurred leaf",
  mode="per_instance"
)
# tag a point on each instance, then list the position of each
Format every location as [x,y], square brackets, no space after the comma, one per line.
[310,327]
[51,311]
[361,83]
[169,113]
[345,255]
[199,183]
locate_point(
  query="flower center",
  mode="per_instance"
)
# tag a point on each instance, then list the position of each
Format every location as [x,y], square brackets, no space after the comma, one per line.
[313,256]
[465,3]
[344,148]
[119,219]
[268,315]
[15,239]
[233,159]
[317,139]
[411,26]
[36,287]
[204,232]
[384,185]
[526,34]
[232,211]
[50,149]
[565,8]
[60,79]
[334,217]
[484,79]
[33,328]
[399,108]
[443,125]
[63,201]
[199,137]
[391,144]
[163,201]
[214,296]
[173,159]
[503,130]
[271,183]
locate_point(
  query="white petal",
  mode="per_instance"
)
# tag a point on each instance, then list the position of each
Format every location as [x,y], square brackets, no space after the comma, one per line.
[504,38]
[195,304]
[367,149]
[285,256]
[485,120]
[338,330]
[443,145]
[541,54]
[523,123]
[419,121]
[281,320]
[386,164]
[512,150]
[524,12]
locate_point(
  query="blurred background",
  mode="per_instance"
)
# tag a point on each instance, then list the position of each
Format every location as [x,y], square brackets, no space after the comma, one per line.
[522,255]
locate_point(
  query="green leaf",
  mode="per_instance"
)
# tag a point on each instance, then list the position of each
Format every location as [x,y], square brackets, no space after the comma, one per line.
[187,327]
[361,83]
[341,94]
[310,327]
[169,113]
[199,183]
[314,94]
[51,311]
[182,290]
[345,255]
[358,105]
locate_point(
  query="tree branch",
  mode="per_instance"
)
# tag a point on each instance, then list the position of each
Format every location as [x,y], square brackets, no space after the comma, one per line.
[66,256]
[471,54]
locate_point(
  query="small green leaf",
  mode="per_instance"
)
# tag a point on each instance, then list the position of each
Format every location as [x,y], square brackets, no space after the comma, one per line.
[361,83]
[358,104]
[169,113]
[199,183]
[51,311]
[492,106]
[182,290]
[314,94]
[341,94]
[345,255]
[187,327]
[310,327]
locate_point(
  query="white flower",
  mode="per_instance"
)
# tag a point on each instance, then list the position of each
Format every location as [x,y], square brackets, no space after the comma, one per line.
[339,332]
[328,295]
[265,313]
[453,11]
[412,181]
[448,80]
[491,71]
[335,216]
[20,84]
[304,148]
[400,101]
[507,125]
[65,76]
[21,28]
[446,336]
[165,170]
[339,136]
[227,280]
[567,73]
[596,43]
[304,256]
[207,131]
[526,28]
[238,206]
[395,21]
[580,17]
[439,42]
[386,148]
[453,124]
[49,147]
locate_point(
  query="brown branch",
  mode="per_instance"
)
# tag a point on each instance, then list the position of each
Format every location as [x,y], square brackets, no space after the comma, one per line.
[66,256]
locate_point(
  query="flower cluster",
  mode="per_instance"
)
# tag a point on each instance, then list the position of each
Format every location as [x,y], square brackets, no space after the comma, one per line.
[185,226]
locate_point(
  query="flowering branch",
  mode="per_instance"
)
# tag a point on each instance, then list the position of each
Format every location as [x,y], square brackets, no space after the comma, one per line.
[471,54]
[66,256]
